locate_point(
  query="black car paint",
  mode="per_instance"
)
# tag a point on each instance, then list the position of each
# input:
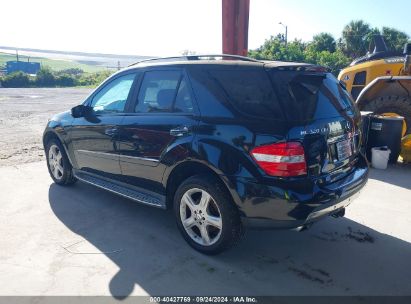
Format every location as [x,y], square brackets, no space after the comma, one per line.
[142,153]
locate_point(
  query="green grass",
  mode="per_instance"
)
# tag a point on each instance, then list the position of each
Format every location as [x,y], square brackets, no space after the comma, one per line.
[55,65]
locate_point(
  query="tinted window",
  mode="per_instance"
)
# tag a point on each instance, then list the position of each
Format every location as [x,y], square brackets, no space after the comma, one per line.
[212,100]
[310,96]
[250,91]
[113,96]
[184,100]
[164,91]
[355,92]
[360,78]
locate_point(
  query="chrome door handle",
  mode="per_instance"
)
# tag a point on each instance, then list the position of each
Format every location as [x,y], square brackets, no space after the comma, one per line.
[179,131]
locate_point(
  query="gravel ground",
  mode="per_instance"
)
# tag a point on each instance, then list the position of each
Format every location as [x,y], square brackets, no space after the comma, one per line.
[23,116]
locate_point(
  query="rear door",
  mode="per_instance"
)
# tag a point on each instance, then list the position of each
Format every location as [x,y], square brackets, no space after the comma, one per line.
[323,116]
[163,119]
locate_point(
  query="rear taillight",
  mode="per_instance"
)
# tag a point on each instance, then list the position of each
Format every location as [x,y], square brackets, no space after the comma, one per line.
[281,159]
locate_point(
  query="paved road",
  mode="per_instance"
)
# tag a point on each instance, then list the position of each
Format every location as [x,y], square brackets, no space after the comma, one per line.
[23,116]
[85,241]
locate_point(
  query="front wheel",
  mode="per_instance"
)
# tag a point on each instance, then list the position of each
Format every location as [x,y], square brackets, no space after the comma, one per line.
[58,163]
[206,216]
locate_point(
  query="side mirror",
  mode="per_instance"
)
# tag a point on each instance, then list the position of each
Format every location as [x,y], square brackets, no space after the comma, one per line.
[80,111]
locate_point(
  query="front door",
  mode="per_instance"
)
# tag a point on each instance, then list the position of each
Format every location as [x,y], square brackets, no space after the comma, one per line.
[163,118]
[95,137]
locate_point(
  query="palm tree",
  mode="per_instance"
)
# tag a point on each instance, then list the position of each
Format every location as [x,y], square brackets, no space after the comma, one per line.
[354,36]
[324,42]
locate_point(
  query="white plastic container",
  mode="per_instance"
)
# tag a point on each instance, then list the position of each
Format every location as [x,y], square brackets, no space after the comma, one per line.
[380,157]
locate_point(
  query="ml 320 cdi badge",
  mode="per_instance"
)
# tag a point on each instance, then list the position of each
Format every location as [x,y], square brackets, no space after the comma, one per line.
[225,142]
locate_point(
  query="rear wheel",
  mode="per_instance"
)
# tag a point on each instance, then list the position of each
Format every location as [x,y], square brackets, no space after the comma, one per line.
[58,163]
[392,104]
[206,217]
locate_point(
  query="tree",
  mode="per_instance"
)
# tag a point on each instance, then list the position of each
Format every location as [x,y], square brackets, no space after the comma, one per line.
[334,61]
[323,42]
[355,35]
[369,39]
[274,49]
[394,38]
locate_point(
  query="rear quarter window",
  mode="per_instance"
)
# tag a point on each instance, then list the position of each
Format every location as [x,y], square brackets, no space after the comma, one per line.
[250,91]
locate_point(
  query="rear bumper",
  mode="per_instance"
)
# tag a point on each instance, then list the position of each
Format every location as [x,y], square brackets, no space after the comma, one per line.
[288,205]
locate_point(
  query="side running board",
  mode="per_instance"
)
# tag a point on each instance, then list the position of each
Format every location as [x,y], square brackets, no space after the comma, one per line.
[135,195]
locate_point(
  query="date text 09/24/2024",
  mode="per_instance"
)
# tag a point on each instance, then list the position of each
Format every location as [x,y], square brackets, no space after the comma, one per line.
[205,299]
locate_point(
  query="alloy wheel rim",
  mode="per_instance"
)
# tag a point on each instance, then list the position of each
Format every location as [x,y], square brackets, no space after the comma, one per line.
[201,217]
[56,162]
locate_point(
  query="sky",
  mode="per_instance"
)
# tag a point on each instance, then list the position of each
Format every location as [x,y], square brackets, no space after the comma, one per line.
[168,27]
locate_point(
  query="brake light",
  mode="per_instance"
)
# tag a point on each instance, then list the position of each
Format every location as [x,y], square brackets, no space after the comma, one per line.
[281,159]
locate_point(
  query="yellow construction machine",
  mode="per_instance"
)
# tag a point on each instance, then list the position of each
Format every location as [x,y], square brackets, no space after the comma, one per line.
[381,82]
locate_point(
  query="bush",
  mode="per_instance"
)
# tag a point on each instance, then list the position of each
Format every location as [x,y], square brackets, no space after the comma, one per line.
[71,71]
[93,79]
[16,80]
[45,78]
[66,80]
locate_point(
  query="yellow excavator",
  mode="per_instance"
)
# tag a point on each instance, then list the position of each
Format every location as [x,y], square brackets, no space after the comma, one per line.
[381,82]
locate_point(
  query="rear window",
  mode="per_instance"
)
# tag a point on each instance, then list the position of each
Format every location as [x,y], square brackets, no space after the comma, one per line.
[249,91]
[310,96]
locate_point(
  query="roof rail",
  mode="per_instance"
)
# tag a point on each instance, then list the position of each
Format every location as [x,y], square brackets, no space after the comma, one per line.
[198,57]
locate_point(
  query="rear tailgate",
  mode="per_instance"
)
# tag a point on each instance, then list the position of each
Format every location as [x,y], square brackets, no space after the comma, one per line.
[322,116]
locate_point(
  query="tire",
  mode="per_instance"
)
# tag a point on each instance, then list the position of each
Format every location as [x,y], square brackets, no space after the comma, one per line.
[394,104]
[63,175]
[220,211]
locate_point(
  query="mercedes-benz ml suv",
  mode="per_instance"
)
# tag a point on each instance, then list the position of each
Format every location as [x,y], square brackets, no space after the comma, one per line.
[224,141]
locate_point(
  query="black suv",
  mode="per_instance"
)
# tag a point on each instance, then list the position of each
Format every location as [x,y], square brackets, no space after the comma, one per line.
[225,141]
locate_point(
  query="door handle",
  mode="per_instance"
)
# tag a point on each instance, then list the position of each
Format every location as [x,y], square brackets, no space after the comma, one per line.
[179,131]
[111,131]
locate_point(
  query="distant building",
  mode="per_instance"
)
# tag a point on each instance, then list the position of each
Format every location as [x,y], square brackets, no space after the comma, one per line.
[23,66]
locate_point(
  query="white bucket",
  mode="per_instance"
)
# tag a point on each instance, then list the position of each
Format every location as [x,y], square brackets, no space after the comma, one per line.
[380,156]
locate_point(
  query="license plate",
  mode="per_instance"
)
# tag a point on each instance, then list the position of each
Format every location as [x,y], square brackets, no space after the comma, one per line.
[344,149]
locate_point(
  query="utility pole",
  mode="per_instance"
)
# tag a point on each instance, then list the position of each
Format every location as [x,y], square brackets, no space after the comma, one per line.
[17,55]
[286,34]
[235,15]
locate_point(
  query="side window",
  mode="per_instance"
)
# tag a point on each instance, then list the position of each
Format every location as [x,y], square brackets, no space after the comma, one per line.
[113,97]
[358,84]
[164,91]
[184,101]
[360,78]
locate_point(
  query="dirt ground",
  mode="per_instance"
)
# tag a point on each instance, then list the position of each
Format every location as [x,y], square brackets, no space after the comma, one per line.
[23,116]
